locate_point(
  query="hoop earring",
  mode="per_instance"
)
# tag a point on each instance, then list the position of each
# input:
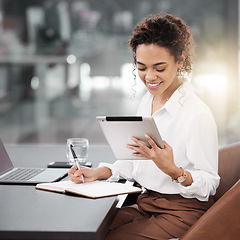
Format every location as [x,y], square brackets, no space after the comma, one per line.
[179,72]
[134,80]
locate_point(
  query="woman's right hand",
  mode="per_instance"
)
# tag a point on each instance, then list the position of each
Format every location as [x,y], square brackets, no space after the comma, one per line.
[89,174]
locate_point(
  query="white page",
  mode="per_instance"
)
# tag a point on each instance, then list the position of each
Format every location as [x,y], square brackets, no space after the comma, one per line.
[103,188]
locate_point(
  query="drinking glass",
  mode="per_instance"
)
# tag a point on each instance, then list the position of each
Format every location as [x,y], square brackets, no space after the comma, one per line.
[80,147]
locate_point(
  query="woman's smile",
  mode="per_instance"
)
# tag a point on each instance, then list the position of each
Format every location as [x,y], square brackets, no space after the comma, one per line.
[153,86]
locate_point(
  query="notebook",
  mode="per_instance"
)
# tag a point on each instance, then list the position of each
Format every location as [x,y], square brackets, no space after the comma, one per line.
[96,189]
[13,175]
[119,131]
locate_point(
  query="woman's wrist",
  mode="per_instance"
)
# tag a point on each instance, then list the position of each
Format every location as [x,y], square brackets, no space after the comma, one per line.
[175,173]
[103,173]
[181,176]
[188,180]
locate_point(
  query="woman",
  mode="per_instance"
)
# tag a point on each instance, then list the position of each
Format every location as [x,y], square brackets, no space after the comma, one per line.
[182,177]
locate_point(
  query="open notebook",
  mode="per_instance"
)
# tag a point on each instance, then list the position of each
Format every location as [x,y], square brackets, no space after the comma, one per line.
[95,189]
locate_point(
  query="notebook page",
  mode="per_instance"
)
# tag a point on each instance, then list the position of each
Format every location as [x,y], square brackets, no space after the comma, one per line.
[102,188]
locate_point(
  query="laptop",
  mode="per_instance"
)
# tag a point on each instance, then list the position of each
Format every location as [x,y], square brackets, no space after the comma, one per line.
[13,175]
[119,130]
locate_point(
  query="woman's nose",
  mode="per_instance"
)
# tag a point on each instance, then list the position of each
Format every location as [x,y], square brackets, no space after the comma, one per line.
[150,75]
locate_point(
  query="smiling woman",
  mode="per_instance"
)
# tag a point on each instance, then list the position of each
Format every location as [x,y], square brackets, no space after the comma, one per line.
[180,178]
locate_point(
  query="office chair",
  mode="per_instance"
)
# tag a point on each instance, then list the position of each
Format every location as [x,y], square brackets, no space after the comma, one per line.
[222,220]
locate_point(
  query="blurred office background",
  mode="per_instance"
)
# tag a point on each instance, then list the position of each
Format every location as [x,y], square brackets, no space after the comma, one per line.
[63,62]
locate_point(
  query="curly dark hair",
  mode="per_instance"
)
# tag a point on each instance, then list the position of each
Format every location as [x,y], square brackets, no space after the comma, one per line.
[167,31]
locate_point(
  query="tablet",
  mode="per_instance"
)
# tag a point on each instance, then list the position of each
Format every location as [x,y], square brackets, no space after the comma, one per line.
[119,131]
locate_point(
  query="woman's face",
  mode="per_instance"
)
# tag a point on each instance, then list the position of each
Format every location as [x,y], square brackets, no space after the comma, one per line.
[157,69]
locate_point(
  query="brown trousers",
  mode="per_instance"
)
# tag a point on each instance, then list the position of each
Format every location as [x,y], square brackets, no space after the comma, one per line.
[156,216]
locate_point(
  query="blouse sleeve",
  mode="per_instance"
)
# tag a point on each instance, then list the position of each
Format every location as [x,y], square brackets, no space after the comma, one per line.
[202,153]
[120,170]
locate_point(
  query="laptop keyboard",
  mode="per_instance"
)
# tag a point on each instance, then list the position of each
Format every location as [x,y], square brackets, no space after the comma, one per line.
[22,174]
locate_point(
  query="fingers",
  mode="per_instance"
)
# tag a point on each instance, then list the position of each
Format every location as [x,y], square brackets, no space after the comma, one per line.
[166,145]
[141,150]
[162,157]
[75,174]
[151,141]
[82,175]
[72,170]
[139,143]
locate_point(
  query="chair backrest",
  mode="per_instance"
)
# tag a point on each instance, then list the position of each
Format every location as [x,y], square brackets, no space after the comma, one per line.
[228,168]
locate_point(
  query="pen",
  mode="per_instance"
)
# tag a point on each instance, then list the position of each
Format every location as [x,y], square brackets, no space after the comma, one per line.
[76,159]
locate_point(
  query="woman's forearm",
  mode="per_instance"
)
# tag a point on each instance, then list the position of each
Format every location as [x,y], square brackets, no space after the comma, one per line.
[103,173]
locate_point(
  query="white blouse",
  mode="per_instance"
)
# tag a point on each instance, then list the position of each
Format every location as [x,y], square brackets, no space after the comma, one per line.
[188,126]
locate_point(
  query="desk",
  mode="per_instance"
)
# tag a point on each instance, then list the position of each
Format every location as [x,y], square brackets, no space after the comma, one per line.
[27,213]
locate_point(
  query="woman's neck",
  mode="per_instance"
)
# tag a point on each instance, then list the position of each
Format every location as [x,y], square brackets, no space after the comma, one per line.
[160,100]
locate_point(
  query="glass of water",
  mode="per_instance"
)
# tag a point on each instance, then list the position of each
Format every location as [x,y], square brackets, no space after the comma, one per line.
[80,146]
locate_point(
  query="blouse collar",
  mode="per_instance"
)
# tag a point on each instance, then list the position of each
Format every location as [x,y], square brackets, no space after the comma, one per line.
[176,101]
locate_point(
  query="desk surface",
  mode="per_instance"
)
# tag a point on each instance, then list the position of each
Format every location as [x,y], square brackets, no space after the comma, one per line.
[27,213]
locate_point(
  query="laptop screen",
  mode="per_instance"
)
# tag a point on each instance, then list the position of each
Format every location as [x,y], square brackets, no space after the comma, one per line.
[5,162]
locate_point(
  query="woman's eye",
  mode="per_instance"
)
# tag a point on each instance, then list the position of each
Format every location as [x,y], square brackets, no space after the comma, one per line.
[141,69]
[160,70]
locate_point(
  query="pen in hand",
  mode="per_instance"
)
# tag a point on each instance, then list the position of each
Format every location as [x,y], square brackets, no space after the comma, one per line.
[76,159]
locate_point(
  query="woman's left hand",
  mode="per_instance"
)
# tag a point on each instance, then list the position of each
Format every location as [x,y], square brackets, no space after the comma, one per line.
[162,157]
